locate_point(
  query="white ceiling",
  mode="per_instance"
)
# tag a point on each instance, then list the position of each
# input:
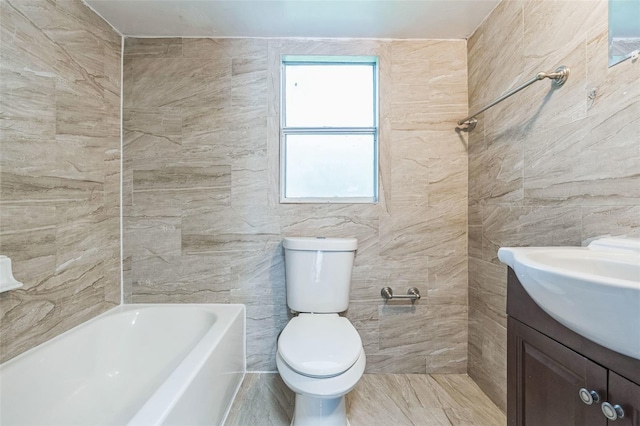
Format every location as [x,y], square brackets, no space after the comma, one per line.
[403,19]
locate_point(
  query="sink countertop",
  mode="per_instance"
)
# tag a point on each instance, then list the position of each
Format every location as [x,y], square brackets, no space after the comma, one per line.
[593,290]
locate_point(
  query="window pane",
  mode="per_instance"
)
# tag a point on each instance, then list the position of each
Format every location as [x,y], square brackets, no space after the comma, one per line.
[329,166]
[329,95]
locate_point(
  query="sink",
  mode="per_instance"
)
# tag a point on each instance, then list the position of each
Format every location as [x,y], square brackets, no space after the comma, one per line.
[593,290]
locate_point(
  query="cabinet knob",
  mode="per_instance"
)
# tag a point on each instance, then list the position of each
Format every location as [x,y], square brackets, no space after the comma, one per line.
[589,397]
[612,412]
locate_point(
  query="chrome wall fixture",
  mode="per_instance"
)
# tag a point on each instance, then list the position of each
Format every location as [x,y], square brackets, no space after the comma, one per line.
[559,77]
[412,294]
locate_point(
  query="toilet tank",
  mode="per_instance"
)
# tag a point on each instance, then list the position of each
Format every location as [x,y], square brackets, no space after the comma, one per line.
[318,273]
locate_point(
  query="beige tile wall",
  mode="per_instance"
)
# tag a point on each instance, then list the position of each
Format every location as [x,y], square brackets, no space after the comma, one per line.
[203,221]
[545,167]
[60,168]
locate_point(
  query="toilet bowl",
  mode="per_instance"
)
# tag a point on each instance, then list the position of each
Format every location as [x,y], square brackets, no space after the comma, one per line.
[320,357]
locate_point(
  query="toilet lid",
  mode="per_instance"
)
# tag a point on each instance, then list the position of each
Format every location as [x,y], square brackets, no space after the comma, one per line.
[319,345]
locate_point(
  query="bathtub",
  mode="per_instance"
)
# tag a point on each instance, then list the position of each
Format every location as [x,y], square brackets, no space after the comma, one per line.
[133,365]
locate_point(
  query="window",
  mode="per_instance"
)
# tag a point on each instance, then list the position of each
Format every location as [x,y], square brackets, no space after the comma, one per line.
[329,138]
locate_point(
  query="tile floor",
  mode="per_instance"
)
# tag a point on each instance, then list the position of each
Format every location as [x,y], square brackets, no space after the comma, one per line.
[378,399]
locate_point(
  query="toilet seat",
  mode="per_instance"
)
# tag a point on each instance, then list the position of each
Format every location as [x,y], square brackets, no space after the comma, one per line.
[319,345]
[317,387]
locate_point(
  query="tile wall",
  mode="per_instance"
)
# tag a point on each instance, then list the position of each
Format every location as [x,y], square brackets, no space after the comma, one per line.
[60,168]
[546,167]
[203,222]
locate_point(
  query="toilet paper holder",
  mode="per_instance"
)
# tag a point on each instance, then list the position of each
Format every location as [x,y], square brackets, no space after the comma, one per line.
[412,294]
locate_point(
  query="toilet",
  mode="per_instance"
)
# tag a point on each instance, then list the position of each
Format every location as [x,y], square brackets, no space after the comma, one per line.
[320,355]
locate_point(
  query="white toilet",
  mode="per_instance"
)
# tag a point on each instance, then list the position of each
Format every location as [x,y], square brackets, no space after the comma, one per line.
[320,355]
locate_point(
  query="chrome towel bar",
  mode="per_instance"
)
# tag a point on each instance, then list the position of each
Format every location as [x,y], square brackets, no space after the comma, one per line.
[559,77]
[412,294]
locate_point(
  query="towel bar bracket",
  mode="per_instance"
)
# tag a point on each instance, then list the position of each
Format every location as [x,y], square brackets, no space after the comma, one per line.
[559,77]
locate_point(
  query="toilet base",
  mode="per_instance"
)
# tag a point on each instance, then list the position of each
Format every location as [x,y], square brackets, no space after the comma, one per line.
[310,411]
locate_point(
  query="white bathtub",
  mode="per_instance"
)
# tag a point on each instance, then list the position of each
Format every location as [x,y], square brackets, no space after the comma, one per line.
[133,365]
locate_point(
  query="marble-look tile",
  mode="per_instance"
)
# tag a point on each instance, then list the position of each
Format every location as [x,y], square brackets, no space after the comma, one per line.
[403,233]
[27,236]
[475,241]
[447,273]
[364,318]
[230,120]
[547,107]
[496,172]
[214,220]
[472,404]
[408,184]
[249,187]
[586,162]
[175,179]
[263,400]
[151,135]
[428,83]
[438,143]
[448,179]
[615,88]
[28,112]
[506,226]
[153,236]
[488,290]
[504,28]
[610,220]
[181,187]
[258,277]
[388,399]
[176,279]
[60,161]
[476,140]
[152,47]
[437,332]
[264,324]
[487,356]
[161,83]
[566,170]
[224,135]
[567,22]
[446,345]
[475,213]
[364,229]
[228,242]
[411,361]
[217,48]
[60,176]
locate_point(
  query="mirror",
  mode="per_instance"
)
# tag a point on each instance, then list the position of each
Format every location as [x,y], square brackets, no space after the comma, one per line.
[624,29]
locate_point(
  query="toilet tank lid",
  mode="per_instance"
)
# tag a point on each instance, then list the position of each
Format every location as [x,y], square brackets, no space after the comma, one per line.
[320,243]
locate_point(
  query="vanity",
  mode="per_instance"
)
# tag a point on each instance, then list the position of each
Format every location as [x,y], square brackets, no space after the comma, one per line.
[558,307]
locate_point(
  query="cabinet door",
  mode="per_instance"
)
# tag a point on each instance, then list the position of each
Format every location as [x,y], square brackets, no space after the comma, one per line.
[627,395]
[544,379]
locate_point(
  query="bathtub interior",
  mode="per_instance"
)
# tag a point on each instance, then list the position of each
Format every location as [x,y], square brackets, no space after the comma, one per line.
[112,364]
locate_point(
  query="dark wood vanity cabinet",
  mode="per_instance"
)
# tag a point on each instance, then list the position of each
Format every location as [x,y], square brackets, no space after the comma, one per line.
[548,365]
[547,379]
[627,394]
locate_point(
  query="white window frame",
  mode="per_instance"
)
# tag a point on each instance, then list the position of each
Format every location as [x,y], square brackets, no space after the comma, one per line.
[284,130]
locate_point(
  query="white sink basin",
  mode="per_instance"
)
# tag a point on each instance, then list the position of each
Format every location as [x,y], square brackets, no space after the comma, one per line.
[594,290]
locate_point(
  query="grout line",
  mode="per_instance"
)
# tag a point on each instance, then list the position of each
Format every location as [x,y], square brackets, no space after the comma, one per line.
[121,170]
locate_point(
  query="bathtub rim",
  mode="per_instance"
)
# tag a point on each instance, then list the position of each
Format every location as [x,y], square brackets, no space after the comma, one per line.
[112,311]
[149,410]
[241,311]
